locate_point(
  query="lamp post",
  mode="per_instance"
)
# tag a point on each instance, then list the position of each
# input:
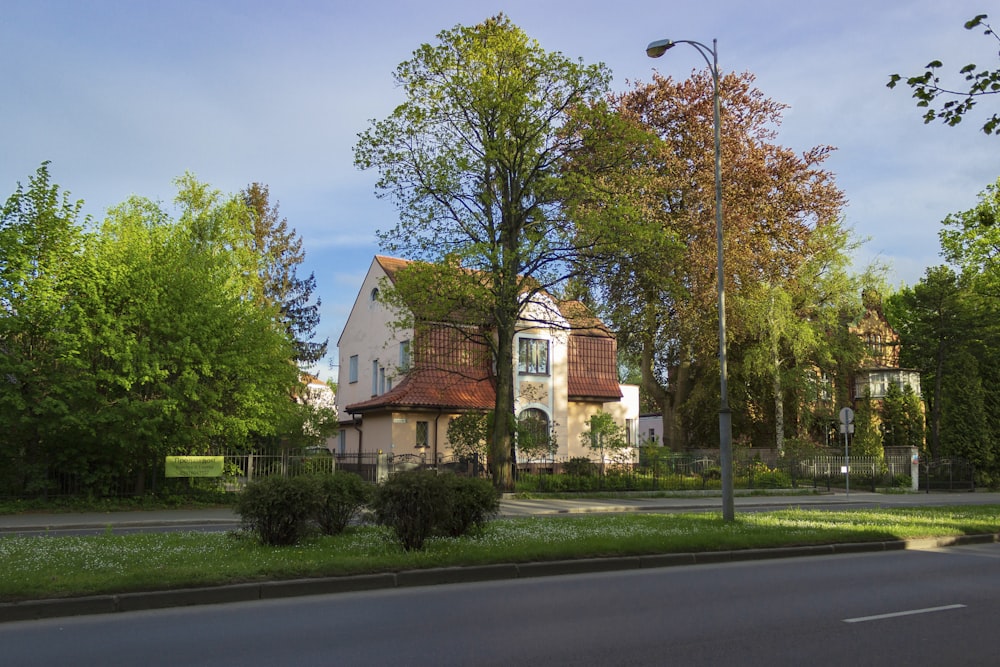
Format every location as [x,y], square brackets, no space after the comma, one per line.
[655,50]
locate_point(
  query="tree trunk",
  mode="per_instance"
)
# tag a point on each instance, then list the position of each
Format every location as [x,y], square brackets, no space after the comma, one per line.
[660,395]
[779,415]
[501,454]
[779,402]
[935,443]
[676,436]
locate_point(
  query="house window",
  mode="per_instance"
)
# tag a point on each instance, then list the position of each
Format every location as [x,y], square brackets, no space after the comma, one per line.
[381,380]
[422,435]
[342,442]
[373,295]
[353,369]
[404,356]
[876,384]
[880,385]
[375,378]
[825,387]
[534,437]
[533,356]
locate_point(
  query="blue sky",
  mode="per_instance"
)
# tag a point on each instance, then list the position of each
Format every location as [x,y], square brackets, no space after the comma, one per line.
[123,96]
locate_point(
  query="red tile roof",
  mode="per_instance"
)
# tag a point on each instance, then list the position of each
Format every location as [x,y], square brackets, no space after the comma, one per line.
[451,370]
[593,368]
[432,389]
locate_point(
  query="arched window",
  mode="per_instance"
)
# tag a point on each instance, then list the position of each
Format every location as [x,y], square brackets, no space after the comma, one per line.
[373,297]
[534,435]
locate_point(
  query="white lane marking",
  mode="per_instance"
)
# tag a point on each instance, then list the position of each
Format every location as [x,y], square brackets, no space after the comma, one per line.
[911,612]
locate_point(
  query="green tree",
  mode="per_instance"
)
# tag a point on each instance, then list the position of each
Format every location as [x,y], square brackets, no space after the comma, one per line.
[142,337]
[981,81]
[468,434]
[791,344]
[535,436]
[605,437]
[914,427]
[947,324]
[892,416]
[185,357]
[473,158]
[971,240]
[964,422]
[40,327]
[936,321]
[867,440]
[281,253]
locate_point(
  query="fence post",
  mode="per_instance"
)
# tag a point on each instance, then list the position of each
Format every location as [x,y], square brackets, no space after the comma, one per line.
[249,468]
[914,469]
[381,467]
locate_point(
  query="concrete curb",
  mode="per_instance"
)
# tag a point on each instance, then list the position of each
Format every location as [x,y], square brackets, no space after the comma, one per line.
[271,590]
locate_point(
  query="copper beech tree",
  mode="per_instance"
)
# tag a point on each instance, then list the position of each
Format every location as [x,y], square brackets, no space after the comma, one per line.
[781,213]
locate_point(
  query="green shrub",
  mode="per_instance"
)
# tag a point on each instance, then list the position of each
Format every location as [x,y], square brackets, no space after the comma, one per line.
[579,467]
[413,504]
[342,495]
[277,509]
[762,476]
[773,479]
[472,502]
[901,481]
[417,504]
[712,472]
[545,483]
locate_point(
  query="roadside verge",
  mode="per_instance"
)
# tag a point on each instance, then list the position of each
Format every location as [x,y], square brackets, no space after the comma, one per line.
[269,590]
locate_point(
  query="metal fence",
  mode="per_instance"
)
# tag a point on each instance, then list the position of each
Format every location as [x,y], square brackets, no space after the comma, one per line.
[646,469]
[241,468]
[374,467]
[947,474]
[656,469]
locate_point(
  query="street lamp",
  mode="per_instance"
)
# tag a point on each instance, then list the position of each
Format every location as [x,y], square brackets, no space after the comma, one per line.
[655,50]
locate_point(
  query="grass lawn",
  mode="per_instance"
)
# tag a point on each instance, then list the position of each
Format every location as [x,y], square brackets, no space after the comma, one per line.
[43,567]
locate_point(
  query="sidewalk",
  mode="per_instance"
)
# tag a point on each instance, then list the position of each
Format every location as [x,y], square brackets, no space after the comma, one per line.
[34,522]
[509,507]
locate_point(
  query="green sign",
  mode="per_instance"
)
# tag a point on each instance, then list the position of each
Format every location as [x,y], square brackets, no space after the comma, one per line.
[194,466]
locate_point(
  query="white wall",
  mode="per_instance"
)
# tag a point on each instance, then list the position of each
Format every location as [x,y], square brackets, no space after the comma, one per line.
[651,427]
[369,335]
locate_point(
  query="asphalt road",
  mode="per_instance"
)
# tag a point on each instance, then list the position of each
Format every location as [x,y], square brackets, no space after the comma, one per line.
[914,608]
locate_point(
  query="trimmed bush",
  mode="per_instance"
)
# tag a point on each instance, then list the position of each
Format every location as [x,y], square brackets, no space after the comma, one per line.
[341,494]
[472,502]
[277,509]
[417,504]
[412,503]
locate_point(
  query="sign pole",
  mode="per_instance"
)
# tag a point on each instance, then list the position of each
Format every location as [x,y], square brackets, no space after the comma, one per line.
[847,465]
[846,427]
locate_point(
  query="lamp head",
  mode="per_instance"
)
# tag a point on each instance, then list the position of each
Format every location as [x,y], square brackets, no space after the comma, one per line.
[659,47]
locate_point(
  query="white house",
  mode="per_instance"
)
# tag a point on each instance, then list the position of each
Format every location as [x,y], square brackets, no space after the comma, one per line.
[398,389]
